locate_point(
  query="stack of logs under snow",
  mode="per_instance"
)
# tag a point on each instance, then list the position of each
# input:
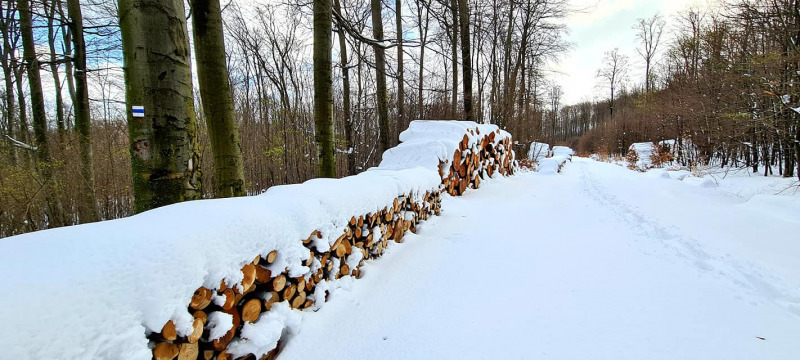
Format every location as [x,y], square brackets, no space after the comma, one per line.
[473,162]
[368,234]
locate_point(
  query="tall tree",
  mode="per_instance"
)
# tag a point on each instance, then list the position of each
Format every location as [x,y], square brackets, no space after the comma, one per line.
[6,52]
[323,87]
[51,14]
[401,97]
[422,27]
[649,31]
[613,74]
[87,208]
[347,114]
[453,6]
[466,58]
[158,81]
[380,64]
[45,164]
[215,92]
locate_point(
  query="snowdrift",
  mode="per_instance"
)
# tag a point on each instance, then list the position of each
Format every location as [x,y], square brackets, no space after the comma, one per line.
[228,278]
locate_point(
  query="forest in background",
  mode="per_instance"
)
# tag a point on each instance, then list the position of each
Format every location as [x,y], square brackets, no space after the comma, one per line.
[719,80]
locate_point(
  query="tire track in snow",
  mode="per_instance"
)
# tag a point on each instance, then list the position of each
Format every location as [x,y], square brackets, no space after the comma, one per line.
[747,277]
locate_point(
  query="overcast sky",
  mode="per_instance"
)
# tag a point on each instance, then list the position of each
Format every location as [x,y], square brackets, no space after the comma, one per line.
[603,26]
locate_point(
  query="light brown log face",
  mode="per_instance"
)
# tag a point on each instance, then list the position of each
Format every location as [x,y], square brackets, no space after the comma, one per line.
[165,351]
[251,310]
[168,332]
[299,300]
[230,299]
[263,275]
[197,329]
[201,299]
[273,255]
[279,282]
[249,272]
[189,351]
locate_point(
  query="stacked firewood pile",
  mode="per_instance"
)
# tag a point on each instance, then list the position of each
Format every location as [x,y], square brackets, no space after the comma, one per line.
[478,155]
[475,158]
[365,237]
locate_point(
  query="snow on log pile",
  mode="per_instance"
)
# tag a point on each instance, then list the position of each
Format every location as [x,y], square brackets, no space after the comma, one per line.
[464,153]
[538,151]
[554,164]
[228,278]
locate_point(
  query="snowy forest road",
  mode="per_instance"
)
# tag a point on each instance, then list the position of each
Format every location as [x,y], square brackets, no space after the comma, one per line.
[599,262]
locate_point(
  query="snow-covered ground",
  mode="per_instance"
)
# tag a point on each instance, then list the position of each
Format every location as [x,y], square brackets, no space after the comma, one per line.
[599,262]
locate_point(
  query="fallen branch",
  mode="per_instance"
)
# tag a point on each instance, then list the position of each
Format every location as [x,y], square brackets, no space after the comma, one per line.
[21,144]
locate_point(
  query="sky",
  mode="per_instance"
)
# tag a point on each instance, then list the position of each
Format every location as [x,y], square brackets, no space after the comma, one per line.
[601,27]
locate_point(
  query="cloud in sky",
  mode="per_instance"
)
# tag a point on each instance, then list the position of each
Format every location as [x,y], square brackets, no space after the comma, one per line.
[601,26]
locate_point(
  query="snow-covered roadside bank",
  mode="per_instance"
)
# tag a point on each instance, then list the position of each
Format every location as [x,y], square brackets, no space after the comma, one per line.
[596,263]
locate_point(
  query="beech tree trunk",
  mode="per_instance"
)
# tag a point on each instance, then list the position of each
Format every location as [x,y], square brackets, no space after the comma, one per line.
[401,98]
[158,77]
[454,14]
[466,58]
[323,87]
[215,91]
[348,120]
[87,208]
[380,64]
[44,163]
[50,10]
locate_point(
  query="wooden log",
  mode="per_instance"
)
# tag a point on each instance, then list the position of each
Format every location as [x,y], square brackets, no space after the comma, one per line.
[221,343]
[251,310]
[201,298]
[272,256]
[208,354]
[189,351]
[271,298]
[299,300]
[168,332]
[230,299]
[289,292]
[344,270]
[223,355]
[199,322]
[165,351]
[249,272]
[348,248]
[340,250]
[279,282]
[263,275]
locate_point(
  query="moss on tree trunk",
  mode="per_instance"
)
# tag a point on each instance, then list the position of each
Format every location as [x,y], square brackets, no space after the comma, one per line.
[215,91]
[163,143]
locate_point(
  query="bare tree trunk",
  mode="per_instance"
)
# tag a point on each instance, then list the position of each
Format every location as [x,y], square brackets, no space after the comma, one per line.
[423,35]
[87,207]
[348,121]
[45,164]
[323,87]
[215,91]
[380,64]
[6,15]
[401,97]
[50,10]
[163,139]
[67,44]
[454,41]
[466,58]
